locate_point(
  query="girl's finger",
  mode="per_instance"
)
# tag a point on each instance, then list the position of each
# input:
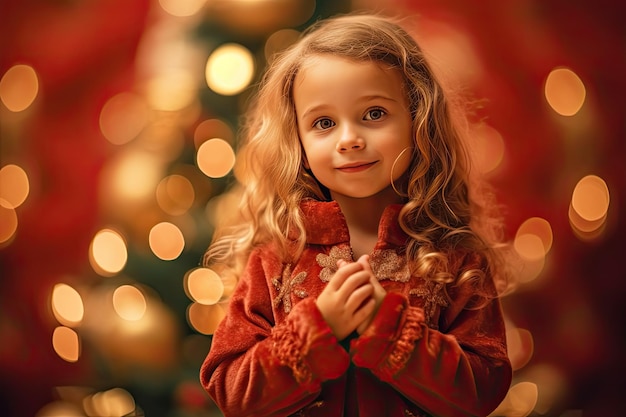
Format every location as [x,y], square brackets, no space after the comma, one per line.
[358,298]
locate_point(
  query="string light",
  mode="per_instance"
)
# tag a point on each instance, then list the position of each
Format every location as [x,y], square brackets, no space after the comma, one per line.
[166,241]
[215,158]
[229,69]
[564,91]
[19,87]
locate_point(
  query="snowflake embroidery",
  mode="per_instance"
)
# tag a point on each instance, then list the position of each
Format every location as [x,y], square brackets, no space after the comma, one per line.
[433,295]
[329,262]
[387,264]
[286,286]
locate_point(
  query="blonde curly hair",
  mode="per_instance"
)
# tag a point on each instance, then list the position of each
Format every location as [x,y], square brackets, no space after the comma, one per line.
[440,214]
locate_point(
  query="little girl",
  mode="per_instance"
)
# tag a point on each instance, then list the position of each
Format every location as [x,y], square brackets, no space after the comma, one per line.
[365,284]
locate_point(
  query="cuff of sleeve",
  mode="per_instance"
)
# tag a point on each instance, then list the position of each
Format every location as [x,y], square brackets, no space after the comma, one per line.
[305,343]
[390,339]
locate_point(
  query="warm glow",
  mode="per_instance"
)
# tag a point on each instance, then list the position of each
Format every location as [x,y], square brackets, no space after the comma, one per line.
[215,158]
[591,198]
[451,52]
[19,87]
[123,117]
[589,207]
[60,409]
[531,252]
[182,8]
[66,343]
[519,401]
[8,222]
[175,194]
[67,305]
[204,286]
[166,241]
[14,185]
[229,69]
[212,128]
[132,176]
[529,246]
[279,41]
[129,303]
[114,402]
[205,318]
[171,91]
[540,228]
[551,384]
[487,148]
[565,92]
[108,254]
[520,346]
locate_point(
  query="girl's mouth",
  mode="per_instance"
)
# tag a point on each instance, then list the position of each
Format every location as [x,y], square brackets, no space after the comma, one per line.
[356,167]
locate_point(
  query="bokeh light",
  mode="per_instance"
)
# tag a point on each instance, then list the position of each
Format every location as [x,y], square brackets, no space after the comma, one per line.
[486,147]
[14,185]
[67,305]
[520,401]
[129,302]
[123,117]
[540,228]
[204,286]
[19,87]
[8,222]
[175,194]
[171,91]
[66,343]
[229,69]
[278,41]
[520,346]
[551,385]
[60,409]
[451,53]
[166,241]
[112,402]
[564,91]
[215,158]
[182,8]
[212,128]
[108,253]
[589,207]
[130,177]
[205,318]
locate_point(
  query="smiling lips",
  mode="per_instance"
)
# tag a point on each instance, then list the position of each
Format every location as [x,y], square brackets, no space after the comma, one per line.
[356,167]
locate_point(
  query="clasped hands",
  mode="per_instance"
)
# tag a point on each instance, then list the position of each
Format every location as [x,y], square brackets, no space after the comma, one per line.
[351,299]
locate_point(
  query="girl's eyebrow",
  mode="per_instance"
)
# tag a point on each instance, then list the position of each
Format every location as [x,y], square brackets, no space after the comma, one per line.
[363,99]
[314,109]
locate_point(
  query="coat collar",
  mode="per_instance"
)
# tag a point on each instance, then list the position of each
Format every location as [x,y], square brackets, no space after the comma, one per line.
[326,225]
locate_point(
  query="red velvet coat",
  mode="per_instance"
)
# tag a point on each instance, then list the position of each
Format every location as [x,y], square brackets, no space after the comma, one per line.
[424,354]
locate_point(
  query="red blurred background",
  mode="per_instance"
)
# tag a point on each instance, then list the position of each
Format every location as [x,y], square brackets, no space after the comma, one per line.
[85,52]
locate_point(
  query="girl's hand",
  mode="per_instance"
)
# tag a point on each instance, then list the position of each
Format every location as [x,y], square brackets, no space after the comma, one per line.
[348,299]
[378,295]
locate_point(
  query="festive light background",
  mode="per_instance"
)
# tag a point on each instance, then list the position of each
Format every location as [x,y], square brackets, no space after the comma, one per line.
[118,131]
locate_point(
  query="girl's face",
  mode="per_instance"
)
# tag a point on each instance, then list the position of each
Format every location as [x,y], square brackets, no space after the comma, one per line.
[354,125]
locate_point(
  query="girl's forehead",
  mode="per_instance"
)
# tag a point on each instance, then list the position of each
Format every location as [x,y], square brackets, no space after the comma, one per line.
[315,61]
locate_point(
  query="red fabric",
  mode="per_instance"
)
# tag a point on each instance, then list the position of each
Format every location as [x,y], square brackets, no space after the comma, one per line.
[274,355]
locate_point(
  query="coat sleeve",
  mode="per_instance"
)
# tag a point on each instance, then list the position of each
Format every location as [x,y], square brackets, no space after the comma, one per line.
[256,367]
[462,370]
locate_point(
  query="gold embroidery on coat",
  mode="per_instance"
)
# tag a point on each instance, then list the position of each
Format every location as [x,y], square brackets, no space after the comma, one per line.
[286,286]
[386,264]
[433,295]
[329,262]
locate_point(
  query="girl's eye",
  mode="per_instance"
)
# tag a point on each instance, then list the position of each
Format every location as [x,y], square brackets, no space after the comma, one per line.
[374,114]
[324,124]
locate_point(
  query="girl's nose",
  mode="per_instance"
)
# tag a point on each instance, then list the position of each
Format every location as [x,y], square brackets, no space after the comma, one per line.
[350,140]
